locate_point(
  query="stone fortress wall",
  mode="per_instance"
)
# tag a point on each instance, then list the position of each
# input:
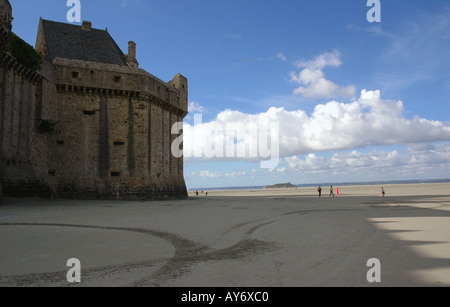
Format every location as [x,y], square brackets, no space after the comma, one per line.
[89,130]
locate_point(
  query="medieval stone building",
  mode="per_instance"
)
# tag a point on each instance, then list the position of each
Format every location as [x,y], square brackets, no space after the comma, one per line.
[88,123]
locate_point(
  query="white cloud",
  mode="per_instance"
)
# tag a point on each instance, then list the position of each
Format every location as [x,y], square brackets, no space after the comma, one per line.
[312,81]
[319,87]
[281,56]
[415,160]
[195,107]
[208,174]
[215,175]
[236,174]
[327,59]
[366,121]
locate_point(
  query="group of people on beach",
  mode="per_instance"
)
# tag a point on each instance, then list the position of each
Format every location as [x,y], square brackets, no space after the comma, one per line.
[383,192]
[202,192]
[331,191]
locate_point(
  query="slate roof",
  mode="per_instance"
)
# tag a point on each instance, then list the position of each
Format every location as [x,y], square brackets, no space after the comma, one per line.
[72,42]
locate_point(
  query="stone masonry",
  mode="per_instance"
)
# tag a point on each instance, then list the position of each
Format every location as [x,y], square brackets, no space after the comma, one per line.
[5,32]
[111,121]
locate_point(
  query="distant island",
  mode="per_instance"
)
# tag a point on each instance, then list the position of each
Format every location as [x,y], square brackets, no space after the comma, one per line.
[280,186]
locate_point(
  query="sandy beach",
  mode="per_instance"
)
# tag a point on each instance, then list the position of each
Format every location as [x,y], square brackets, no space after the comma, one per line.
[248,238]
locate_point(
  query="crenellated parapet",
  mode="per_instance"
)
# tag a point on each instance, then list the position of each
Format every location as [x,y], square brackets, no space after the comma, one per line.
[92,78]
[11,63]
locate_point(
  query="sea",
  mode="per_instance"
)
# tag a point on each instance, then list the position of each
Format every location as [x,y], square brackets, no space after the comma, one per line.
[341,184]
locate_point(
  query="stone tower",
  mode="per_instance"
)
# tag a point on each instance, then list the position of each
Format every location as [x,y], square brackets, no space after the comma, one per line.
[88,123]
[113,135]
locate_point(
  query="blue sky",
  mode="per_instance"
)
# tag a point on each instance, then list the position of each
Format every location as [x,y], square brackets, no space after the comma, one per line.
[354,101]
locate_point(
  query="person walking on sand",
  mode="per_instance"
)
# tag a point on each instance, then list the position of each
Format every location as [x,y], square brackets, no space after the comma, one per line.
[383,192]
[320,191]
[337,191]
[331,191]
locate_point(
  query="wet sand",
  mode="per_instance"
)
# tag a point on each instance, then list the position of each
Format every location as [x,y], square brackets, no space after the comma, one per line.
[252,238]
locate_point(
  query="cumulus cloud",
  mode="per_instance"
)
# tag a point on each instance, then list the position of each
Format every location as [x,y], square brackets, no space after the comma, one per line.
[367,121]
[195,107]
[326,59]
[423,158]
[312,81]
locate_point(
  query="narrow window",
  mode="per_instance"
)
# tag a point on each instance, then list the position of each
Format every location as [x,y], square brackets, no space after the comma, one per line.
[75,74]
[59,142]
[115,174]
[117,78]
[85,112]
[119,143]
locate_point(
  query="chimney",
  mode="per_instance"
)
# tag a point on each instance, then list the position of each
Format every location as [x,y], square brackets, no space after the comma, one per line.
[131,56]
[87,25]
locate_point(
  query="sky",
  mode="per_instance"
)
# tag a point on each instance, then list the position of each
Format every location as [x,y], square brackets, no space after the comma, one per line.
[300,91]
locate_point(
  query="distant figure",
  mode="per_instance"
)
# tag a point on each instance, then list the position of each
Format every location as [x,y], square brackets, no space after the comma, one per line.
[331,191]
[337,191]
[383,192]
[196,193]
[320,191]
[206,193]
